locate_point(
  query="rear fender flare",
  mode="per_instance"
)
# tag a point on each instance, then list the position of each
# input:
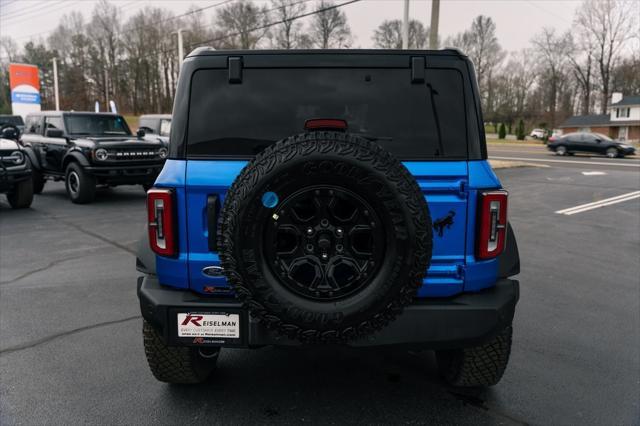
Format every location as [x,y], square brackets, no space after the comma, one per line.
[509,260]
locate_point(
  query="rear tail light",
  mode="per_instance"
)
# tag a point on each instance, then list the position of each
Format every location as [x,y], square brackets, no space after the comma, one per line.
[492,224]
[161,221]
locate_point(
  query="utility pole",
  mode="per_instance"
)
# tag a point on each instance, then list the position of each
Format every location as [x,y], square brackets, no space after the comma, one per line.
[435,18]
[55,83]
[180,48]
[405,26]
[106,89]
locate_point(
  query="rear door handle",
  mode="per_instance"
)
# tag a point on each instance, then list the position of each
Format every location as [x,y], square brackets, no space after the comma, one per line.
[213,210]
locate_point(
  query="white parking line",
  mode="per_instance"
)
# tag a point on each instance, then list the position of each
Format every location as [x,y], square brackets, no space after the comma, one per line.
[602,203]
[566,161]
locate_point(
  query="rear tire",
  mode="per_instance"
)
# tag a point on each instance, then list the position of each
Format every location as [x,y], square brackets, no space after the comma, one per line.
[481,365]
[173,364]
[561,150]
[612,153]
[21,196]
[81,186]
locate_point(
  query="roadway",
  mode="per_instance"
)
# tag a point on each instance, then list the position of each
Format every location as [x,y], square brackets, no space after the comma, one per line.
[71,346]
[538,154]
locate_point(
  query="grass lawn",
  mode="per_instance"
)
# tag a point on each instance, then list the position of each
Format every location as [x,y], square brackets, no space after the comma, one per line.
[514,142]
[132,121]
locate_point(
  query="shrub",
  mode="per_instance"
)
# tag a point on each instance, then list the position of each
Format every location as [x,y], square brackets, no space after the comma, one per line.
[502,133]
[520,130]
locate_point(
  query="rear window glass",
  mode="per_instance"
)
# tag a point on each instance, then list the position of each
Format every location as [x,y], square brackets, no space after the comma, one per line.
[413,121]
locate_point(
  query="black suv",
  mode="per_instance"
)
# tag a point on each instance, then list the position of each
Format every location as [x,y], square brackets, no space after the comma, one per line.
[88,149]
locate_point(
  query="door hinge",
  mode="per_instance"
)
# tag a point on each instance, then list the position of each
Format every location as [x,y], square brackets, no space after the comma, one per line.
[460,271]
[463,189]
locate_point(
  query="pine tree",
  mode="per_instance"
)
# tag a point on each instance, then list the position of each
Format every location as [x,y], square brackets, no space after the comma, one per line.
[520,130]
[502,133]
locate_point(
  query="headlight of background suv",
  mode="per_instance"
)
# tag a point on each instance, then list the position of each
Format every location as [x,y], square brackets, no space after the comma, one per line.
[101,154]
[17,157]
[162,152]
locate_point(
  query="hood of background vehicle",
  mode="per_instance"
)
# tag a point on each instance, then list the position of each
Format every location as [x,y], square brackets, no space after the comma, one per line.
[117,142]
[8,144]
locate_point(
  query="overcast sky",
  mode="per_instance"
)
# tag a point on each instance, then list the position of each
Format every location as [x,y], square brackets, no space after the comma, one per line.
[516,20]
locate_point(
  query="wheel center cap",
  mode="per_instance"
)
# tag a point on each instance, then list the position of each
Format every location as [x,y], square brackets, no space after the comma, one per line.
[324,242]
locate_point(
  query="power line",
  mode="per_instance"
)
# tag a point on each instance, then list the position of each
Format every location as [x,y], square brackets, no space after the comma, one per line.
[27,13]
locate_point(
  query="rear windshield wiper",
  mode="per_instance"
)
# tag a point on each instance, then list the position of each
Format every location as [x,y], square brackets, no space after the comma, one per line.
[432,92]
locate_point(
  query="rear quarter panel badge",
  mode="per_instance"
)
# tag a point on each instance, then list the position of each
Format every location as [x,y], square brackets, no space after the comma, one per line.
[439,225]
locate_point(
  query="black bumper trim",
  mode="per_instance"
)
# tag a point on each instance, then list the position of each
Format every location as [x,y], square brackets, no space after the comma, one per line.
[465,320]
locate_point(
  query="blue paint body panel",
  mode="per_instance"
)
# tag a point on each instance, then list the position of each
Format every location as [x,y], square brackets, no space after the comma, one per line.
[449,187]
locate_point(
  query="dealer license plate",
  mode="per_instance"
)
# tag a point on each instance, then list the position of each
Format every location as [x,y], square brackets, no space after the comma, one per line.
[209,325]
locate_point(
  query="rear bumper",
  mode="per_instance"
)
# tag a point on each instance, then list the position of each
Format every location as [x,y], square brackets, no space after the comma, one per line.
[465,320]
[126,175]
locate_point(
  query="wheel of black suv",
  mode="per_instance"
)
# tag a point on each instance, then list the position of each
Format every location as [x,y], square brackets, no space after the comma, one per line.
[38,181]
[81,186]
[173,364]
[325,236]
[21,196]
[481,365]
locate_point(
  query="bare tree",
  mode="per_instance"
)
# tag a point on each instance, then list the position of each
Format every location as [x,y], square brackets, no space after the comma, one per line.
[237,25]
[608,25]
[289,34]
[388,35]
[552,56]
[329,27]
[626,76]
[481,44]
[580,55]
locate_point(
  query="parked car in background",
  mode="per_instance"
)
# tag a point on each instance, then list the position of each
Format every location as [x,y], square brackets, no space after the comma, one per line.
[538,133]
[592,143]
[158,125]
[15,169]
[86,149]
[15,120]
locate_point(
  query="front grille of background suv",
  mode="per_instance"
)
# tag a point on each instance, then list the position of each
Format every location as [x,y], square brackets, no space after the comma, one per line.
[133,154]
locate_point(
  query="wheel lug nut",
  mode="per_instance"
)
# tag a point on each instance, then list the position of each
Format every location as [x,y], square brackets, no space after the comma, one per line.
[324,223]
[339,231]
[309,231]
[325,256]
[309,247]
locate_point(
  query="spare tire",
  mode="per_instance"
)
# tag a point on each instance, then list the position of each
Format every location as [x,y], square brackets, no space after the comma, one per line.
[325,236]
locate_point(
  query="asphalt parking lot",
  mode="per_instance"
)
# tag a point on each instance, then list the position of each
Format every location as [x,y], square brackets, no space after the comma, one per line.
[71,347]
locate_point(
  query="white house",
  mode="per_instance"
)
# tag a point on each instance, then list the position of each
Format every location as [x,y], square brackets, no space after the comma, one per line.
[622,122]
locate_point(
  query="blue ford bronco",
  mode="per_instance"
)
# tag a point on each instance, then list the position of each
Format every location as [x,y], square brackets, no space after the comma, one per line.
[328,198]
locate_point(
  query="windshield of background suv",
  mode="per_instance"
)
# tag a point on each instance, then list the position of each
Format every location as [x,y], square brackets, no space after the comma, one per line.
[16,120]
[96,125]
[413,121]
